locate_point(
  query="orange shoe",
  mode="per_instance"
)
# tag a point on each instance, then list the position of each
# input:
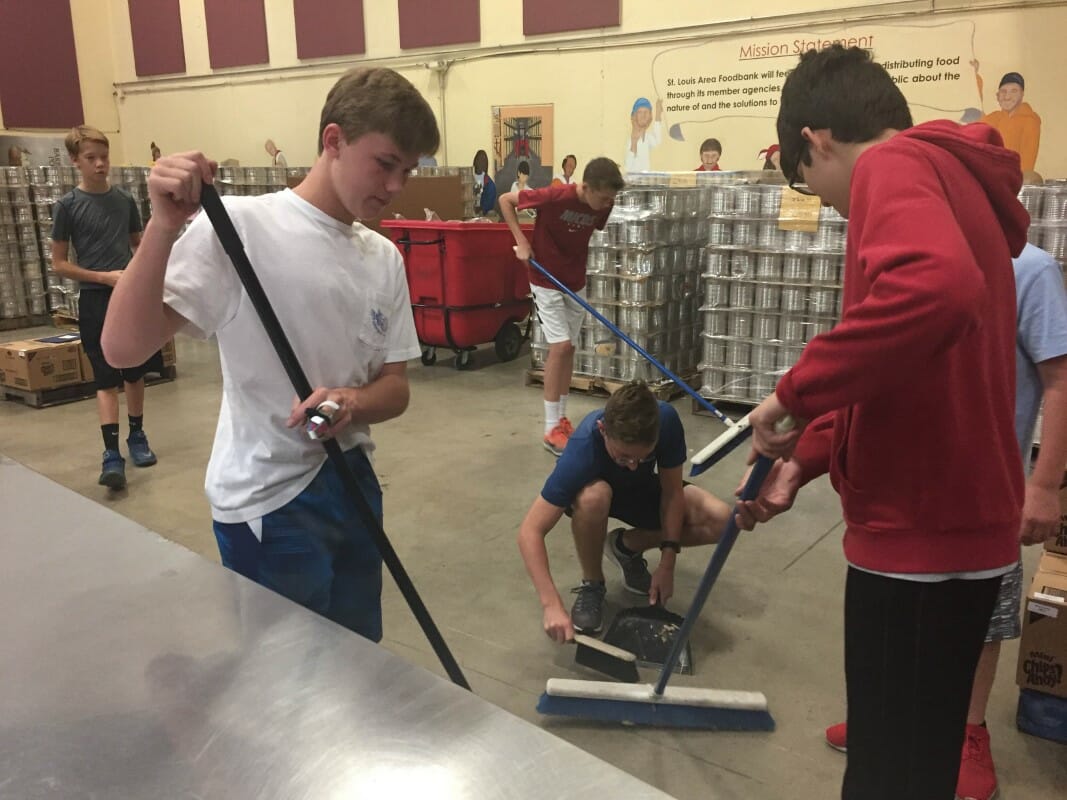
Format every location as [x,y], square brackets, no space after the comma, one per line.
[568,429]
[555,440]
[837,737]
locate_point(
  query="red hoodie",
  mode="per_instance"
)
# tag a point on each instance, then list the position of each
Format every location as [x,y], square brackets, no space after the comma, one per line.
[912,394]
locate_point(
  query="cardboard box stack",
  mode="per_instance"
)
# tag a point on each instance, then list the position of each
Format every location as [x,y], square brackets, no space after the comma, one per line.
[1042,670]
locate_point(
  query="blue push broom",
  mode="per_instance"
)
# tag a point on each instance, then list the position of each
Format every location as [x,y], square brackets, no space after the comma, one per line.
[736,432]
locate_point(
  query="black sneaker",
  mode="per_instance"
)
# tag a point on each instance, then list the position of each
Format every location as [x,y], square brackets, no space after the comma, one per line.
[140,452]
[635,575]
[113,470]
[587,615]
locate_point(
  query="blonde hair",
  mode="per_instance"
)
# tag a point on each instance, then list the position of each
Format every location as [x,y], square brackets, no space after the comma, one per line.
[83,133]
[381,101]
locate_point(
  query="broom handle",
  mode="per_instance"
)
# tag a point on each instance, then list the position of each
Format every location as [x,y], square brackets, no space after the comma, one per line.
[614,329]
[231,243]
[718,558]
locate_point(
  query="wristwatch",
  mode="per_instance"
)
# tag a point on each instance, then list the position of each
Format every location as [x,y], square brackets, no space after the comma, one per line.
[667,545]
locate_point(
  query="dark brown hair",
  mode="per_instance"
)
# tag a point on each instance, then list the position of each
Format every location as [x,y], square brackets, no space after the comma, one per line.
[632,415]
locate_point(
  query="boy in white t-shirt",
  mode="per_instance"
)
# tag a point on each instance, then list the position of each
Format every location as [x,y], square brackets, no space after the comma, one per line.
[281,516]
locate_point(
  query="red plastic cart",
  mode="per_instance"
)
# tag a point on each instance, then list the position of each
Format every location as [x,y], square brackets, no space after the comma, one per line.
[466,286]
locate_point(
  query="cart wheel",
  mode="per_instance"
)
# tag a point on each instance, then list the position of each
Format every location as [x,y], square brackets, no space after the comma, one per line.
[429,356]
[508,342]
[463,359]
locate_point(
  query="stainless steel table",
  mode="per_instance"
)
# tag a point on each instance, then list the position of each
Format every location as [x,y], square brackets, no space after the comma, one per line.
[133,668]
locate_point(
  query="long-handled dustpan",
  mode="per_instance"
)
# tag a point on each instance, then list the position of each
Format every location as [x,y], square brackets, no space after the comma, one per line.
[729,440]
[676,707]
[231,243]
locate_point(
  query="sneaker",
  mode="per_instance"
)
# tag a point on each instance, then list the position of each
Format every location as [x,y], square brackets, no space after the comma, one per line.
[565,424]
[635,575]
[837,737]
[556,439]
[978,777]
[587,615]
[140,452]
[113,471]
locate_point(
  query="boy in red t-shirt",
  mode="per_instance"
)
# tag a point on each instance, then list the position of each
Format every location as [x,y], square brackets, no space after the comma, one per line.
[566,217]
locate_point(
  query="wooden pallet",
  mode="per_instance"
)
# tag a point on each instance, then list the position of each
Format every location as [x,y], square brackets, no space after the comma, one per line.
[31,321]
[44,398]
[605,387]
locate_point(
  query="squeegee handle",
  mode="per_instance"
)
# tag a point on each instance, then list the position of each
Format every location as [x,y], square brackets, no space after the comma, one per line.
[231,243]
[703,401]
[755,480]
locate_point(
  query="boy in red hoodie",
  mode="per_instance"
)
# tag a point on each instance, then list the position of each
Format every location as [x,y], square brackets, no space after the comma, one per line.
[909,404]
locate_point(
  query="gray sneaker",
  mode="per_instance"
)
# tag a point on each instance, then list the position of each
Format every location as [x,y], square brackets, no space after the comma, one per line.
[587,615]
[635,575]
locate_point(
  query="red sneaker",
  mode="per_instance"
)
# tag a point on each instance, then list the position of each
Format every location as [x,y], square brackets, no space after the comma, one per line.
[555,440]
[978,777]
[837,737]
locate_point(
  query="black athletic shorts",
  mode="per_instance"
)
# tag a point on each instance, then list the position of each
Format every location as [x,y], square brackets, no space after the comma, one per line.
[92,308]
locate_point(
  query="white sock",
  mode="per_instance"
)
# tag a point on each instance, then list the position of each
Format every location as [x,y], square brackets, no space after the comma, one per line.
[563,405]
[551,415]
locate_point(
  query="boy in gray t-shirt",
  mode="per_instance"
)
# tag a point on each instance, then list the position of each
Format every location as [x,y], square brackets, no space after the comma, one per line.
[103,224]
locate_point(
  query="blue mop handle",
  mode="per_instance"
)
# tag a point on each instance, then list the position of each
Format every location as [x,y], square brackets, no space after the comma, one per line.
[755,480]
[614,329]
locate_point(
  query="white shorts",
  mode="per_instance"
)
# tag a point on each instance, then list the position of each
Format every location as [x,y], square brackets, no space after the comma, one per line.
[561,315]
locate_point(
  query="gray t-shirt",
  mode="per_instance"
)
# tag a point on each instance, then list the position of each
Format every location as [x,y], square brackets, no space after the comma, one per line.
[99,228]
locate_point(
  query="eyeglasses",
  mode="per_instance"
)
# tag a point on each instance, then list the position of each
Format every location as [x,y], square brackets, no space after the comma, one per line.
[793,183]
[625,461]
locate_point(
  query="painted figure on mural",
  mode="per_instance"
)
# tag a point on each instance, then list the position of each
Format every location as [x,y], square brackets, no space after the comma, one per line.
[710,153]
[645,134]
[156,152]
[772,158]
[1018,123]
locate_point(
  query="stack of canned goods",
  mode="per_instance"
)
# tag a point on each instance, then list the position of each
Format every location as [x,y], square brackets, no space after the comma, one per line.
[766,291]
[1047,205]
[643,275]
[248,181]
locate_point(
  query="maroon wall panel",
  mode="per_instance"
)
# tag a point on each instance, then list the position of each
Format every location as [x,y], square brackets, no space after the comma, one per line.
[329,28]
[39,86]
[158,47]
[428,23]
[236,33]
[553,16]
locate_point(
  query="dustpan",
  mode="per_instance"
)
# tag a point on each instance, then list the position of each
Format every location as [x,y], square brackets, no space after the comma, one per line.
[648,632]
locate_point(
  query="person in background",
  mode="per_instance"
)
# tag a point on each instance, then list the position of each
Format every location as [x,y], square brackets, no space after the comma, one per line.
[103,224]
[1018,123]
[276,155]
[484,187]
[932,513]
[710,152]
[570,163]
[1040,377]
[772,158]
[646,134]
[522,176]
[281,513]
[623,462]
[566,218]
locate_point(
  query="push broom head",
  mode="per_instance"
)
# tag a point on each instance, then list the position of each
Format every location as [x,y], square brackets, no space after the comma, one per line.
[638,704]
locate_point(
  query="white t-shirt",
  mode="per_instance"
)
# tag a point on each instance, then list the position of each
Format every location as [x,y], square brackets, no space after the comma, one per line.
[641,160]
[342,298]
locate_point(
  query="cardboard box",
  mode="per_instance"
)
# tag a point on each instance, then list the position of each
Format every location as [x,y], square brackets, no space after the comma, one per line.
[41,363]
[1043,647]
[1059,544]
[170,355]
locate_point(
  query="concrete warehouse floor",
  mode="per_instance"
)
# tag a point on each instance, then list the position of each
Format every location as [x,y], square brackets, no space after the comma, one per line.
[460,469]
